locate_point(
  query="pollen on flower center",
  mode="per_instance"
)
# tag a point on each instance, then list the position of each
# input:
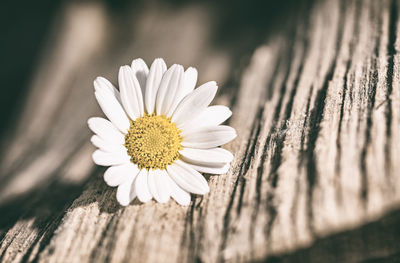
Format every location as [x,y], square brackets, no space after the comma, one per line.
[153,142]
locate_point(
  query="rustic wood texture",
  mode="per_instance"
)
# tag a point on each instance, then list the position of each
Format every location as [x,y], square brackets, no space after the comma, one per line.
[317,158]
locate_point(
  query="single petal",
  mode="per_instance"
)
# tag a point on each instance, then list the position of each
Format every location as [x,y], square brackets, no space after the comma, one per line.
[131,93]
[113,110]
[142,187]
[194,103]
[181,196]
[170,84]
[209,137]
[189,82]
[118,174]
[101,83]
[140,70]
[211,169]
[156,73]
[126,191]
[211,116]
[158,185]
[106,158]
[187,178]
[208,157]
[106,130]
[163,187]
[106,146]
[151,181]
[181,91]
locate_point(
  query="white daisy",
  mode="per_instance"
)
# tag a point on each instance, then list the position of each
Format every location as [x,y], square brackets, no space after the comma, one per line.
[161,133]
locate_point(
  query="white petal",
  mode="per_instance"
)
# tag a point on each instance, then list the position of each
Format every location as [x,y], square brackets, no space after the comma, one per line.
[210,169]
[209,137]
[156,73]
[118,174]
[113,110]
[170,84]
[106,146]
[106,158]
[131,93]
[163,187]
[195,103]
[189,82]
[106,130]
[211,116]
[126,191]
[158,185]
[181,196]
[142,187]
[140,70]
[208,157]
[101,83]
[188,178]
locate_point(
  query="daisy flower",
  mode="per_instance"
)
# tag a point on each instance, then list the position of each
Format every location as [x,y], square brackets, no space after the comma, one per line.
[161,133]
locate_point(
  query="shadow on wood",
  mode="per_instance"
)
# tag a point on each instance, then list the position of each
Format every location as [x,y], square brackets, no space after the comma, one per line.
[378,241]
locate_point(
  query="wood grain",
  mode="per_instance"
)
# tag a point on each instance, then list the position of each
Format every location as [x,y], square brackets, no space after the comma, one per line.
[317,160]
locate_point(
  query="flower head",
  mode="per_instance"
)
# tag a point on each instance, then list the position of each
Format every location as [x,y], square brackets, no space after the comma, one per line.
[160,134]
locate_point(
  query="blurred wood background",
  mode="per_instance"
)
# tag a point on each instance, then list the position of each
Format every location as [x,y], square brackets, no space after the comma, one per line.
[314,87]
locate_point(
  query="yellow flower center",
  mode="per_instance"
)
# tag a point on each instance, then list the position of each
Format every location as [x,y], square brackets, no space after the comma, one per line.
[153,142]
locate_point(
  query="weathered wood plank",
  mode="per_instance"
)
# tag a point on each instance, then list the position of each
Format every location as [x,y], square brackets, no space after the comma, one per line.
[315,176]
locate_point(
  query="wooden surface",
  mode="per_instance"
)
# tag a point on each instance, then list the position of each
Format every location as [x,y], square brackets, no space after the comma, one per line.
[316,105]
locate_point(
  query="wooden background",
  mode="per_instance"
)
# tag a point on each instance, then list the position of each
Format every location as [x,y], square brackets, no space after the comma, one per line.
[315,92]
